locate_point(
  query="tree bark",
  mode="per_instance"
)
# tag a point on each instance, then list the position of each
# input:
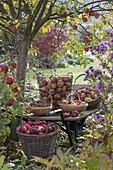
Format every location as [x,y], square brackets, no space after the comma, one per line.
[23,47]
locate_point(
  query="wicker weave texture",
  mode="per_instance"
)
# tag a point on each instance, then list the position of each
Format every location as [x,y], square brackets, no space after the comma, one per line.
[69,108]
[40,110]
[38,145]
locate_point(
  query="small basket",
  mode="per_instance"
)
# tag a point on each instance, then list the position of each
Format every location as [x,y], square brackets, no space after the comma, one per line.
[71,107]
[39,145]
[41,110]
[93,104]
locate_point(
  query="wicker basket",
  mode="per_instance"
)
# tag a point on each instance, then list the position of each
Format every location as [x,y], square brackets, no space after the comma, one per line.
[41,110]
[94,103]
[39,145]
[71,107]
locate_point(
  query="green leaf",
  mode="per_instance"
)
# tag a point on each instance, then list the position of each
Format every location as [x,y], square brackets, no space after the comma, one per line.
[2,158]
[8,166]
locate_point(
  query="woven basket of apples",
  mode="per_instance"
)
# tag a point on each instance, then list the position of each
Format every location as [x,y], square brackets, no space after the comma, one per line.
[38,138]
[70,104]
[41,107]
[58,86]
[90,95]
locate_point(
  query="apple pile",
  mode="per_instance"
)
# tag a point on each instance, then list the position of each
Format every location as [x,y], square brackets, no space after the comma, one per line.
[57,86]
[86,94]
[40,103]
[37,127]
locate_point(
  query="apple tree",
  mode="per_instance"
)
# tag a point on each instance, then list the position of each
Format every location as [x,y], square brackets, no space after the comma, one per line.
[24,18]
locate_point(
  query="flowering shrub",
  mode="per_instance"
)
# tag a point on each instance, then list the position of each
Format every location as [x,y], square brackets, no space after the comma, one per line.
[102,78]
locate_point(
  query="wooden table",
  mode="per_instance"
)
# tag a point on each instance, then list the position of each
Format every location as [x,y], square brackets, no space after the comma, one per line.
[57,116]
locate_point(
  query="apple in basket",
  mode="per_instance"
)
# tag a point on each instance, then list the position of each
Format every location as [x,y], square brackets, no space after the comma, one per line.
[37,127]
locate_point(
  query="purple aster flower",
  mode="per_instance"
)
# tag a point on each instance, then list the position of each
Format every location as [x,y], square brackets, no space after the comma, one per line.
[103,43]
[99,86]
[103,64]
[85,78]
[91,68]
[97,117]
[102,120]
[111,41]
[98,71]
[111,55]
[87,71]
[102,49]
[99,77]
[93,53]
[111,33]
[91,74]
[110,86]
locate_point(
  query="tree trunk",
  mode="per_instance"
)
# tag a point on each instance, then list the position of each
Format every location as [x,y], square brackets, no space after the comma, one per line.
[23,47]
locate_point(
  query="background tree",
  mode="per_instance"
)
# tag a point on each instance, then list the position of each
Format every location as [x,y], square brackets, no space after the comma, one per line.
[24,18]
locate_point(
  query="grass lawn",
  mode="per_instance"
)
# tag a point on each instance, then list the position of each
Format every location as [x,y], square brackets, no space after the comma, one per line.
[77,70]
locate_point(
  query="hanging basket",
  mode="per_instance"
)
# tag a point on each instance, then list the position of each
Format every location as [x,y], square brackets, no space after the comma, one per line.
[42,145]
[41,110]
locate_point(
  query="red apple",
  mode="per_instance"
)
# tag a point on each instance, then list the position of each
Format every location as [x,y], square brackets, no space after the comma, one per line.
[75,113]
[86,49]
[34,131]
[66,115]
[86,10]
[84,19]
[15,90]
[9,80]
[27,132]
[49,129]
[75,27]
[96,15]
[41,129]
[86,39]
[63,15]
[58,90]
[4,68]
[22,129]
[43,122]
[29,123]
[14,64]
[10,102]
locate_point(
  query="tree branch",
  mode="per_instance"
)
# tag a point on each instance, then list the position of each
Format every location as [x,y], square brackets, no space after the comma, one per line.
[6,29]
[38,24]
[43,9]
[19,8]
[36,11]
[11,7]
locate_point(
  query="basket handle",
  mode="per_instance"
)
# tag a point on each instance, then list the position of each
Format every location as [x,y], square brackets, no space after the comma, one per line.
[70,74]
[78,77]
[67,98]
[43,89]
